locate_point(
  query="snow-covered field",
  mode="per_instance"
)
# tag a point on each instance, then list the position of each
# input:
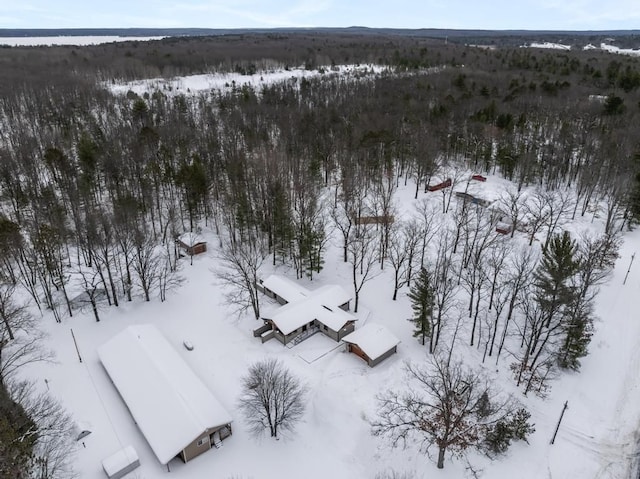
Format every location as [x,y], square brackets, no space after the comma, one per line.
[70,40]
[226,81]
[603,46]
[550,45]
[618,50]
[597,438]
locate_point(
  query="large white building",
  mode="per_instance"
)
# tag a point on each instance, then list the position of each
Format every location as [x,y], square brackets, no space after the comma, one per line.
[175,411]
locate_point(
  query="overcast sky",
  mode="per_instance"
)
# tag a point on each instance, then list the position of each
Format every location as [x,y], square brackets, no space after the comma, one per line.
[466,14]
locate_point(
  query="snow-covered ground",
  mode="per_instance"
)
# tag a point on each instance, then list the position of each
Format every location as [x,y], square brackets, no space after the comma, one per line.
[597,438]
[226,81]
[621,51]
[550,45]
[603,46]
[70,40]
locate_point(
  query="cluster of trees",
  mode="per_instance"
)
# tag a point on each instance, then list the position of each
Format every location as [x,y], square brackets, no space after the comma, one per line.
[536,302]
[37,434]
[558,308]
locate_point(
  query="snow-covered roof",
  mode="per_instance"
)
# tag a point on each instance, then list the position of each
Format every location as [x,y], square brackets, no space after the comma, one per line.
[373,339]
[321,304]
[285,288]
[190,239]
[331,294]
[170,404]
[334,317]
[122,459]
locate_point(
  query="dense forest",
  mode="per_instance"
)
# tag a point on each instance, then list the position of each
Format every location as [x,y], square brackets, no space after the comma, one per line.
[95,187]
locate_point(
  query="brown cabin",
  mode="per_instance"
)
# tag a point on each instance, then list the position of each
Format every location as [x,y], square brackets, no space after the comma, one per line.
[191,244]
[440,186]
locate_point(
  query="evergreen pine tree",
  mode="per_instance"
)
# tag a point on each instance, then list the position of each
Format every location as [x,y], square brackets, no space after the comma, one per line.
[566,311]
[310,245]
[422,299]
[282,230]
[553,279]
[18,434]
[578,329]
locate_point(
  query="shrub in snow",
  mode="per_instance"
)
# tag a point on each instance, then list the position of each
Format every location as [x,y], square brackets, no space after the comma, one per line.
[500,435]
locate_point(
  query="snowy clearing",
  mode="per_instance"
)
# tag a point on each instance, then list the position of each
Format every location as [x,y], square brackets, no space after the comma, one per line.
[227,81]
[618,50]
[550,45]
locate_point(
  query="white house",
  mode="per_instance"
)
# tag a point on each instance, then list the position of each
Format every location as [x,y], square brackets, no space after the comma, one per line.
[174,410]
[304,312]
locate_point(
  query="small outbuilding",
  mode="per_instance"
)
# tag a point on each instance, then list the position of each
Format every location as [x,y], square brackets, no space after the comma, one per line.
[503,228]
[121,463]
[468,198]
[440,186]
[191,243]
[372,342]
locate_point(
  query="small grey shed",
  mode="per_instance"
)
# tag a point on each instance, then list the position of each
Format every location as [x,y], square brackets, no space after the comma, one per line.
[121,463]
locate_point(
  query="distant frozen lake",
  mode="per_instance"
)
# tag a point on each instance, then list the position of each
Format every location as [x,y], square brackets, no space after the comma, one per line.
[69,40]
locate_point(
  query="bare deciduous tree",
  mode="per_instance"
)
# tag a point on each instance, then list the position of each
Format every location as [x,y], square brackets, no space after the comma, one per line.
[90,281]
[427,219]
[168,277]
[445,405]
[541,342]
[518,282]
[536,213]
[147,264]
[272,398]
[383,206]
[512,204]
[363,256]
[20,339]
[597,256]
[398,254]
[559,205]
[445,288]
[240,262]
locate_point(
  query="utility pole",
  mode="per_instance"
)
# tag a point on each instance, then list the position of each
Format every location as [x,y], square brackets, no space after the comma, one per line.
[566,405]
[76,344]
[629,269]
